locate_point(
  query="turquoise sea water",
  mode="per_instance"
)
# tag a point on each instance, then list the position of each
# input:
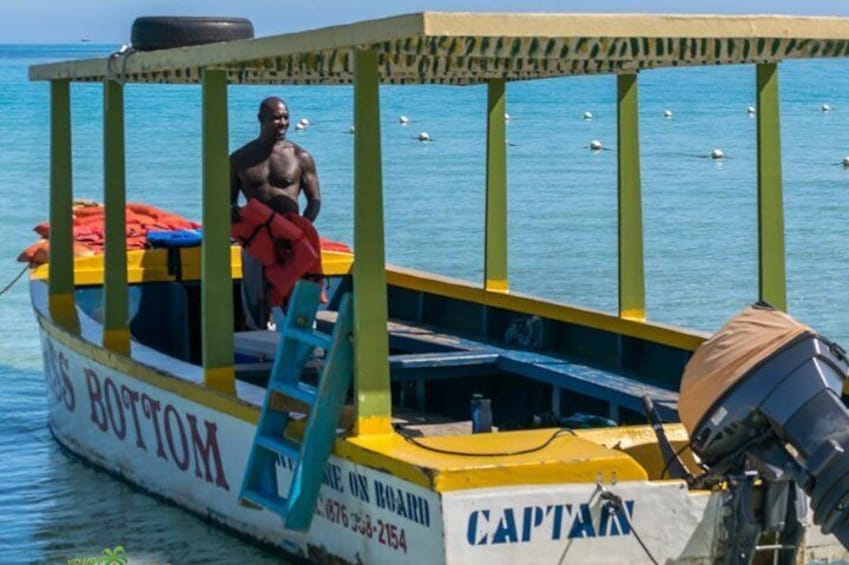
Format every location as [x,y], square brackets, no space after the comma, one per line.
[699,219]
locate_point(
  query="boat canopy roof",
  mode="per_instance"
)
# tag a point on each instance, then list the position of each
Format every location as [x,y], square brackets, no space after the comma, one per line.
[467,48]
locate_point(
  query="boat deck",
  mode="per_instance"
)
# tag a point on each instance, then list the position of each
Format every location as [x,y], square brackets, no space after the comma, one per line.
[428,354]
[526,457]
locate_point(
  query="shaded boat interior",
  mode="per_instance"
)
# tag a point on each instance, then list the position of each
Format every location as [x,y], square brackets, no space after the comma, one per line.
[535,371]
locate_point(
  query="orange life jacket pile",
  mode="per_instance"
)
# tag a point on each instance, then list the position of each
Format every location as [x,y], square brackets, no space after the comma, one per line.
[287,245]
[89,233]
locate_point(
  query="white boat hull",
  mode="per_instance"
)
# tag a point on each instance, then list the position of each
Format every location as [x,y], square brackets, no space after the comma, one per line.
[195,456]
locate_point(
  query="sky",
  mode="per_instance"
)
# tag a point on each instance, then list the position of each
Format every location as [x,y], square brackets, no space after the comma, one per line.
[109,21]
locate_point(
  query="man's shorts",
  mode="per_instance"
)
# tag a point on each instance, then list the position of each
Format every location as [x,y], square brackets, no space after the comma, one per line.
[255,304]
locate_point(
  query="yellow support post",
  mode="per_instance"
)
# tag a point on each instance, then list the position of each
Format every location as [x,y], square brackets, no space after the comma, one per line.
[371,340]
[632,301]
[60,285]
[216,279]
[116,331]
[771,274]
[495,245]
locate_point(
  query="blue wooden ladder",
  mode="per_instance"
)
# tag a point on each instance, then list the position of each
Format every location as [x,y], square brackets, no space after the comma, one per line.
[296,345]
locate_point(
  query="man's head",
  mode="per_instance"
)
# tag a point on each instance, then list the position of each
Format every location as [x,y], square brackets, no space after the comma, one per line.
[273,118]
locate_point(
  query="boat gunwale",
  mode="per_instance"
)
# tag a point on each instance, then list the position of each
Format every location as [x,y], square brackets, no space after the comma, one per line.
[340,264]
[159,377]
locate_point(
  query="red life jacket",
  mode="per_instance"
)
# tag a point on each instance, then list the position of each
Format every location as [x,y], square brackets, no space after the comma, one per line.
[315,274]
[287,245]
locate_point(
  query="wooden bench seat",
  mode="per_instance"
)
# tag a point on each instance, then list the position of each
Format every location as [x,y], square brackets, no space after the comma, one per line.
[430,354]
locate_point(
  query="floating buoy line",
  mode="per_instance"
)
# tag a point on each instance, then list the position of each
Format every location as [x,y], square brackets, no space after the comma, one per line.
[594,146]
[716,154]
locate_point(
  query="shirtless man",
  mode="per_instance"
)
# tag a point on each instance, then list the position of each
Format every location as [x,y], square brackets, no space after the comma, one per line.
[272,166]
[275,171]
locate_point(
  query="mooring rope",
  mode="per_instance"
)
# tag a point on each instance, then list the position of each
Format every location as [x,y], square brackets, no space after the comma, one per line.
[16,279]
[403,433]
[616,501]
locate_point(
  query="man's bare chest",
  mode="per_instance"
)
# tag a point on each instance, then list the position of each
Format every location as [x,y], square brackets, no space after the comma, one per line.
[278,170]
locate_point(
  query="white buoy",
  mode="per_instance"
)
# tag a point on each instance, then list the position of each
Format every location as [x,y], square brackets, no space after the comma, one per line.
[506,116]
[717,154]
[667,113]
[304,122]
[750,110]
[595,145]
[846,161]
[424,136]
[588,115]
[403,120]
[352,130]
[825,108]
[299,126]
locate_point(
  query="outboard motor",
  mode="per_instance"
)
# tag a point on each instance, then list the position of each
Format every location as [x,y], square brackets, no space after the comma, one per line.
[761,400]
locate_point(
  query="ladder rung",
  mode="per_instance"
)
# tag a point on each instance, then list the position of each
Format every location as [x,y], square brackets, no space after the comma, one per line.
[299,391]
[280,446]
[310,337]
[273,503]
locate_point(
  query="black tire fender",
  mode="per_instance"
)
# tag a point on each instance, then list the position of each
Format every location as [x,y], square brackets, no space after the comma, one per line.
[165,32]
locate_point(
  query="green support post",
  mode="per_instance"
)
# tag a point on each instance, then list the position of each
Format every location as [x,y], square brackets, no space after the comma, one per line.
[495,244]
[632,301]
[216,276]
[371,341]
[60,284]
[771,274]
[116,332]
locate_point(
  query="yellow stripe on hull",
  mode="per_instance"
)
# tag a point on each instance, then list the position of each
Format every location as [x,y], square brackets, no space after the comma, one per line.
[463,290]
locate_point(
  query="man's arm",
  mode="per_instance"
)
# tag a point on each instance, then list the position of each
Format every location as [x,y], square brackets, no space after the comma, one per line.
[234,189]
[309,184]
